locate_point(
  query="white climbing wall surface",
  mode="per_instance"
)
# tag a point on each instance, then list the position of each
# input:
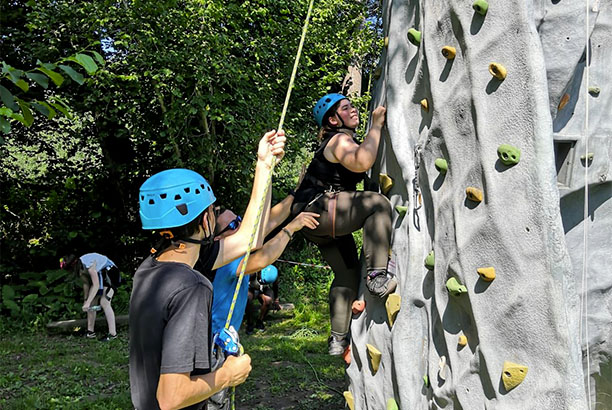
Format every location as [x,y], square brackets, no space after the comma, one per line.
[484,160]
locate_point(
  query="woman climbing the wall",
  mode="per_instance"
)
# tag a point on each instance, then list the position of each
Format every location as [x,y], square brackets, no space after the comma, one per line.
[329,189]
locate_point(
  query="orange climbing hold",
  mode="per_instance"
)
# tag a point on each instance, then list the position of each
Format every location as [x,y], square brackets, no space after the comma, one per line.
[347,355]
[474,194]
[564,100]
[358,306]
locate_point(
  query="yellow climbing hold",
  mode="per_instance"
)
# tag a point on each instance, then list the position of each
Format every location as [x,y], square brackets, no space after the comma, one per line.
[392,404]
[377,72]
[385,182]
[564,100]
[425,104]
[474,194]
[498,71]
[387,41]
[375,356]
[588,156]
[393,306]
[401,209]
[449,52]
[350,401]
[513,374]
[462,340]
[487,274]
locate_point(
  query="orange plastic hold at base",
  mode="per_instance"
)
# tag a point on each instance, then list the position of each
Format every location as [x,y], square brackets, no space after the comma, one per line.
[358,306]
[564,100]
[347,355]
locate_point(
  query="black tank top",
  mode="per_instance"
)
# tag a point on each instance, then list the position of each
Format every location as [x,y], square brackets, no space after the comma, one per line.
[322,174]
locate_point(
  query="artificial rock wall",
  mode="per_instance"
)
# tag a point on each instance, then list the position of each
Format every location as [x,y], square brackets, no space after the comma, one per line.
[512,335]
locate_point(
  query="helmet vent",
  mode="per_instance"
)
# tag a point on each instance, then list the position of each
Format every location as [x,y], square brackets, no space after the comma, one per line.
[182,208]
[202,186]
[151,202]
[177,197]
[197,191]
[163,196]
[142,197]
[187,190]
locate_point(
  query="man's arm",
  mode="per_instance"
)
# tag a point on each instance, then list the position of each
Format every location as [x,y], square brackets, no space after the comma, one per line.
[273,249]
[179,390]
[231,247]
[279,213]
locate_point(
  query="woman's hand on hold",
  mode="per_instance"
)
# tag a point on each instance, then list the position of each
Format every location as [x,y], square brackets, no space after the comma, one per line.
[304,219]
[272,145]
[378,117]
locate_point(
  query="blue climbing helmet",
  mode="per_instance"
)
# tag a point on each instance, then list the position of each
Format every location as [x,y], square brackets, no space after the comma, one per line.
[324,105]
[173,198]
[269,274]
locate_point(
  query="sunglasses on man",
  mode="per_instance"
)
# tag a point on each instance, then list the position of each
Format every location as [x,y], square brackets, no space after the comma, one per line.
[232,225]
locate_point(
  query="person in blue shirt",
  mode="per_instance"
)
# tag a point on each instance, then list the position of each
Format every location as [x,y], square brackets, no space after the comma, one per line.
[226,277]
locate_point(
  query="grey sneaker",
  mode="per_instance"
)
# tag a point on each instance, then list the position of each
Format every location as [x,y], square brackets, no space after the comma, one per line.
[380,283]
[337,344]
[90,335]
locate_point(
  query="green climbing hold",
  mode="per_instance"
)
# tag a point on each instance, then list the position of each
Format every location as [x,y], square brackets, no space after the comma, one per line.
[414,36]
[392,404]
[454,287]
[508,154]
[481,7]
[430,260]
[426,380]
[401,210]
[441,165]
[594,90]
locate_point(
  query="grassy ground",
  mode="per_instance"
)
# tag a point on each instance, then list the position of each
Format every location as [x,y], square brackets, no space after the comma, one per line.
[291,369]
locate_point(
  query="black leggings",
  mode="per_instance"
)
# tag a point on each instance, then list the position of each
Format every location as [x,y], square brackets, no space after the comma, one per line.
[354,210]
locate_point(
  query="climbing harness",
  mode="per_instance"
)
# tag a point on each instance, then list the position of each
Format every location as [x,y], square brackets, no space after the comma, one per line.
[269,182]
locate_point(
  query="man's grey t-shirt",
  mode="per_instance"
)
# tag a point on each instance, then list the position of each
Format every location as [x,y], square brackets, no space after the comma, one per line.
[170,327]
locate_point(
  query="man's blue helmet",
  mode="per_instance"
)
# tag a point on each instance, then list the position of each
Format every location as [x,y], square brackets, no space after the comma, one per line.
[324,105]
[269,274]
[173,198]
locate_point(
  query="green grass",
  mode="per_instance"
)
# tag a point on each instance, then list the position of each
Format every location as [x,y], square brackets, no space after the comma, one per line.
[291,369]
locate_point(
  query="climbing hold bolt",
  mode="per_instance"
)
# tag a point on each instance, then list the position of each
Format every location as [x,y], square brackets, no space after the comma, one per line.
[449,52]
[392,404]
[350,401]
[473,194]
[487,274]
[358,306]
[462,340]
[385,182]
[375,356]
[481,7]
[513,374]
[401,209]
[414,36]
[498,71]
[564,100]
[393,306]
[425,105]
[454,287]
[594,90]
[430,260]
[508,154]
[347,355]
[441,165]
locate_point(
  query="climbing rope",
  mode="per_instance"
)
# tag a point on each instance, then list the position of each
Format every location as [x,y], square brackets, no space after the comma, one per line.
[269,182]
[585,231]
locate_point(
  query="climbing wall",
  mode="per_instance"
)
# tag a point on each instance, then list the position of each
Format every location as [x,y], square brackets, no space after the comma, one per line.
[484,159]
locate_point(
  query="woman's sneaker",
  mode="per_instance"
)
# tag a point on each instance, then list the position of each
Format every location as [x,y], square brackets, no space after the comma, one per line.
[108,338]
[337,344]
[90,335]
[380,283]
